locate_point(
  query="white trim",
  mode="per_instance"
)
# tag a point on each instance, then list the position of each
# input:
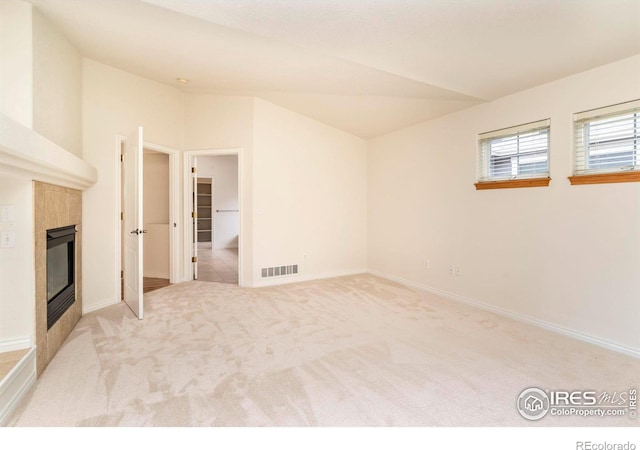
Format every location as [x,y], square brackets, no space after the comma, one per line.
[16,384]
[164,275]
[118,222]
[25,152]
[214,215]
[102,304]
[10,345]
[299,278]
[513,315]
[503,132]
[606,110]
[187,191]
[174,207]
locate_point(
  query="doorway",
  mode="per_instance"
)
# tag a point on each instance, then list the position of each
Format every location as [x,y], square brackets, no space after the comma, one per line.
[160,203]
[218,222]
[213,222]
[156,214]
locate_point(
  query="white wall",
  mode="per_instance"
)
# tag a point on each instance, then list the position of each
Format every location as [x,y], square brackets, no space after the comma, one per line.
[40,76]
[156,215]
[309,195]
[40,88]
[221,122]
[17,278]
[57,87]
[16,61]
[116,102]
[224,172]
[565,255]
[215,122]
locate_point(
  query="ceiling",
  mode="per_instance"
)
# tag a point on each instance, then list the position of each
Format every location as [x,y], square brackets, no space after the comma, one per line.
[365,66]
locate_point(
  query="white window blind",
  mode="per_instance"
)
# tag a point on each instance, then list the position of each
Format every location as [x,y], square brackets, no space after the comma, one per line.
[607,140]
[514,153]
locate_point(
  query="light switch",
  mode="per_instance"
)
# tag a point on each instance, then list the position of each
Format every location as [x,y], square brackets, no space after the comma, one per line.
[7,239]
[7,213]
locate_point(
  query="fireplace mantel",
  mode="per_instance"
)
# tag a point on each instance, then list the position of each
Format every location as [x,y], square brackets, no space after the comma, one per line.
[27,153]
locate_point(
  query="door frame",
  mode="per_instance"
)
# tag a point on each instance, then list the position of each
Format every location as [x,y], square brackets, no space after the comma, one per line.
[174,209]
[187,201]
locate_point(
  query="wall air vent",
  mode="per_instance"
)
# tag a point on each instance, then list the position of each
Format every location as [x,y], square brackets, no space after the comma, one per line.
[279,271]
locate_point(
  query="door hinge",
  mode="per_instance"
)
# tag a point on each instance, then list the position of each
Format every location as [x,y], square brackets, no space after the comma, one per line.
[194,259]
[121,274]
[121,216]
[121,157]
[194,215]
[194,170]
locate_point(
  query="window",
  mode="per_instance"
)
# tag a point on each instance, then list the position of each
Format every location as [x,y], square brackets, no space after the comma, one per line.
[607,144]
[514,157]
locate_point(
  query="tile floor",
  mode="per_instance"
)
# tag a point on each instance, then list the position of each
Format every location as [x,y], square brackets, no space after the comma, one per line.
[219,265]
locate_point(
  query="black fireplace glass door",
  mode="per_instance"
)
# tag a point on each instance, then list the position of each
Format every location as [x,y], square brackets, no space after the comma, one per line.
[59,274]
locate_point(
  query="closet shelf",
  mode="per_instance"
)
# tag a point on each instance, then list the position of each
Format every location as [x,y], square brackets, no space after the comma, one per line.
[205,208]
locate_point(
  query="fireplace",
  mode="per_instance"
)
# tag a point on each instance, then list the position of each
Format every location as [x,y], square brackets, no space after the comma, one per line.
[57,217]
[61,255]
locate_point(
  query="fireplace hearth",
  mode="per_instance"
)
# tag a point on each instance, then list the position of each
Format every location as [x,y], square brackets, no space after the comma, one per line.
[61,254]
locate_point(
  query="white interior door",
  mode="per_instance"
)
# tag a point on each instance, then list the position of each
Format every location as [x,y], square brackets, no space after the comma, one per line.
[133,232]
[194,215]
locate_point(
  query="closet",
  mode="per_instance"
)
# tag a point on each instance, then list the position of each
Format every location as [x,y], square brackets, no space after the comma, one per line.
[205,222]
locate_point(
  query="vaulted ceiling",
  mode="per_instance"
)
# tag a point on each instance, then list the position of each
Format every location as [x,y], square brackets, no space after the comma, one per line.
[365,66]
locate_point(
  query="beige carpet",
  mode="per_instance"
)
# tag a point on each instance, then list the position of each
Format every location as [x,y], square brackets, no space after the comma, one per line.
[347,351]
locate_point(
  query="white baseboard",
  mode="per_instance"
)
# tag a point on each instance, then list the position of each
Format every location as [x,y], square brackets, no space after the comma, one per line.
[299,278]
[513,315]
[96,306]
[16,384]
[10,345]
[157,275]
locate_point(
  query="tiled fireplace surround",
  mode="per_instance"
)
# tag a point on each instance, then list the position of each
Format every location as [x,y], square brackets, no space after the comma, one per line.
[54,207]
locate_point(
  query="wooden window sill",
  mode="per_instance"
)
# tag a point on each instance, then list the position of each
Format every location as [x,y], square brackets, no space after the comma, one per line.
[600,178]
[509,184]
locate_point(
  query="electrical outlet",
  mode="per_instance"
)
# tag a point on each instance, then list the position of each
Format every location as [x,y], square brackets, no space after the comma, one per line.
[457,271]
[452,270]
[427,264]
